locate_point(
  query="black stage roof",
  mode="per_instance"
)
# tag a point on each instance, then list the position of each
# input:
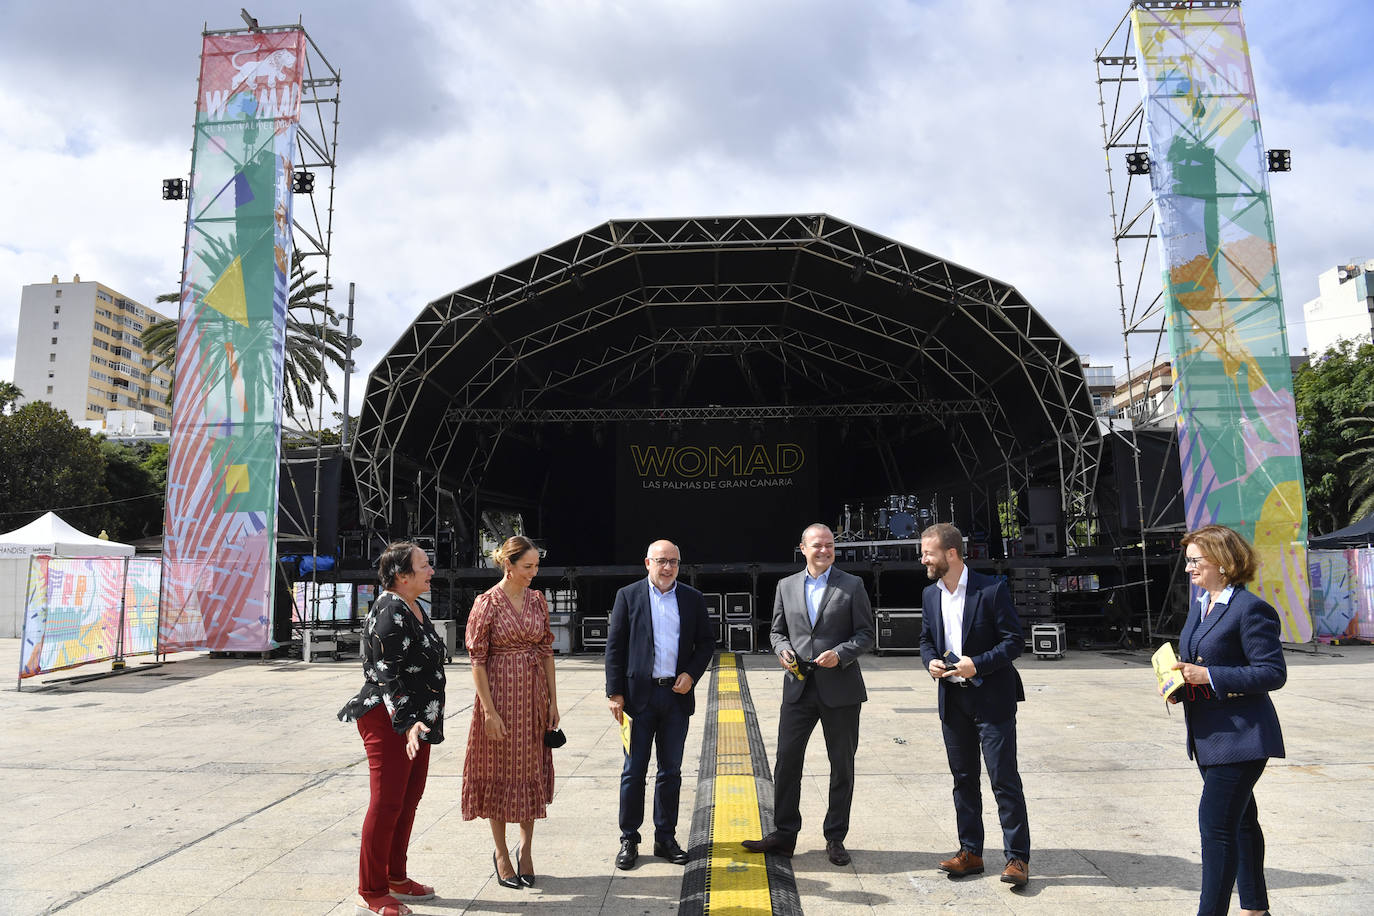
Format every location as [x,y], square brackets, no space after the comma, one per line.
[794,317]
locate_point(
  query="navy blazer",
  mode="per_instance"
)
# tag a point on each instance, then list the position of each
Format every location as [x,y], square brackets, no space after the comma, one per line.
[1239,645]
[992,638]
[630,644]
[844,624]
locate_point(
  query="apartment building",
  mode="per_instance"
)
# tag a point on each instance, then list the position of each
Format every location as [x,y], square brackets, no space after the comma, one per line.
[78,349]
[1344,307]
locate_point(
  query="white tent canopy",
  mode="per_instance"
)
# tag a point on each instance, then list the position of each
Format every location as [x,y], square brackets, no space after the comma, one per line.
[47,535]
[51,535]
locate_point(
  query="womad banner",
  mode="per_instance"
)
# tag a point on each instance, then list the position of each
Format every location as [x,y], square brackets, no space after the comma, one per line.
[219,549]
[726,492]
[82,610]
[1238,433]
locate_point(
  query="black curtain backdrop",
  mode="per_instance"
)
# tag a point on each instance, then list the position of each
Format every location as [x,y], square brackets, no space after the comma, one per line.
[723,492]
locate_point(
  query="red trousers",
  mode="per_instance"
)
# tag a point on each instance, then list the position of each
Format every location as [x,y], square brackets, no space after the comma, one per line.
[397,782]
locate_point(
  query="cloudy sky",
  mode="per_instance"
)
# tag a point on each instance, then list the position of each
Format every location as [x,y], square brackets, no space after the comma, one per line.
[475,133]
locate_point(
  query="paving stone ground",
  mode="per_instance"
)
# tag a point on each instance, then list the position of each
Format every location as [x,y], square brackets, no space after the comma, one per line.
[214,786]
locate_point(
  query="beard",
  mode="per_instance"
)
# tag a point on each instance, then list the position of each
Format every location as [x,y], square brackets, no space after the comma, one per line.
[937,569]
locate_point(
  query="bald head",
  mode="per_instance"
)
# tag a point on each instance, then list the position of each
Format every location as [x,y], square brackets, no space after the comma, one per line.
[661,560]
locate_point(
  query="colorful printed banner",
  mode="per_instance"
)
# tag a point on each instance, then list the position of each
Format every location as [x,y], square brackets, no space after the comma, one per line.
[81,610]
[1238,434]
[319,602]
[1342,593]
[219,550]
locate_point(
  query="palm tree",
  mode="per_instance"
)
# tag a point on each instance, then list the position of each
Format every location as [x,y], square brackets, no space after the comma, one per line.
[1362,457]
[311,338]
[9,393]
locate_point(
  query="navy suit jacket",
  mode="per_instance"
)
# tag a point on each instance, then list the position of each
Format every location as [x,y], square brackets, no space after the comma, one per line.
[630,644]
[1239,645]
[992,638]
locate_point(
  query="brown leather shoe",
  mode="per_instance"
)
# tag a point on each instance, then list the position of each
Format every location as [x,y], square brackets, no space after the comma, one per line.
[774,843]
[963,863]
[1016,873]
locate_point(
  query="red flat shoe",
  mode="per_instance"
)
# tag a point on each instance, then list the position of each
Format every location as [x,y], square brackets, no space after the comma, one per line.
[381,906]
[406,889]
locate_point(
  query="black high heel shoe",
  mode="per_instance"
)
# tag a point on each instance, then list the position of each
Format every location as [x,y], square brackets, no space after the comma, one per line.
[526,880]
[513,882]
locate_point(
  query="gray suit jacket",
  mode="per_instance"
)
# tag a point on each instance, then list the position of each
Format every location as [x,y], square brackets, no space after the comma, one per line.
[845,624]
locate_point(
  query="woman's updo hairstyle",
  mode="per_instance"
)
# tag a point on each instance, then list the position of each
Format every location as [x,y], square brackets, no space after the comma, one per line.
[512,550]
[396,560]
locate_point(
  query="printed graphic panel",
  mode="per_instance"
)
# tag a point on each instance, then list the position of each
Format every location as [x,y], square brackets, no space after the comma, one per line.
[77,607]
[1238,436]
[1342,593]
[226,423]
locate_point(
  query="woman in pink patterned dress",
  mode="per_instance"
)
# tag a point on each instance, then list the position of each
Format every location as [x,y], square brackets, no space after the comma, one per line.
[508,773]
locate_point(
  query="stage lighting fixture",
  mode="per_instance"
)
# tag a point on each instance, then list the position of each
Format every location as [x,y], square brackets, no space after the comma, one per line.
[174,189]
[1137,163]
[858,273]
[577,280]
[1280,160]
[303,182]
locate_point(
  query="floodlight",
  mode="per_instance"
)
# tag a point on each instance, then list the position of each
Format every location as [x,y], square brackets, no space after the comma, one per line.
[1137,163]
[174,189]
[303,182]
[1280,160]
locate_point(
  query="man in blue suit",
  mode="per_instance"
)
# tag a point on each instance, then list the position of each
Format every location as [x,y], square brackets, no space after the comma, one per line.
[970,635]
[658,645]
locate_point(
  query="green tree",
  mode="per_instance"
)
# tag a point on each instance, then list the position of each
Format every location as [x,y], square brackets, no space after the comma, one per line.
[1328,392]
[50,463]
[1360,463]
[9,393]
[136,495]
[312,337]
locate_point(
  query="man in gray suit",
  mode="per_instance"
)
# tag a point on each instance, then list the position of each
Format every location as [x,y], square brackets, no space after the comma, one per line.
[821,615]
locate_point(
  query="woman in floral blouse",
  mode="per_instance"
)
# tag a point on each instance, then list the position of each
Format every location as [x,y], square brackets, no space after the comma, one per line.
[508,771]
[400,713]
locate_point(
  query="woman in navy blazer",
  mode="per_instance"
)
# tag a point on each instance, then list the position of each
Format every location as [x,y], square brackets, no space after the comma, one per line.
[1230,656]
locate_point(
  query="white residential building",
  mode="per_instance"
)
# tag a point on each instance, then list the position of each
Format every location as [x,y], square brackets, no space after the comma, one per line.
[79,350]
[1344,308]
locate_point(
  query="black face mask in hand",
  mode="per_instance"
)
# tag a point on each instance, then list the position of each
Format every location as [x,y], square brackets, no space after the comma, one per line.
[554,737]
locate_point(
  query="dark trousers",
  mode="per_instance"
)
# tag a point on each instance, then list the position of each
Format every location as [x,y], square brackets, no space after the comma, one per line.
[965,735]
[660,727]
[840,725]
[1232,842]
[397,782]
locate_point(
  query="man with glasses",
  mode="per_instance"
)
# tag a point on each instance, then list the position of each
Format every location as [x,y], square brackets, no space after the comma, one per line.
[658,645]
[821,616]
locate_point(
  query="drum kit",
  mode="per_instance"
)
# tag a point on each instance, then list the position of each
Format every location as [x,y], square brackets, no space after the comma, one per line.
[899,517]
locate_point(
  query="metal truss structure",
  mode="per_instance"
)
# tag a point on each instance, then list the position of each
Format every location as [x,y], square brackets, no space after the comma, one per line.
[729,319]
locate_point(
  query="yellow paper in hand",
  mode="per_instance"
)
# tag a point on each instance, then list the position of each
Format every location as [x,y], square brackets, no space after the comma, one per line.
[1163,661]
[625,731]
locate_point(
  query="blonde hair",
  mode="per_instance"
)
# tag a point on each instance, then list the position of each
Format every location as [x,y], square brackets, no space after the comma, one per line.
[1236,560]
[514,548]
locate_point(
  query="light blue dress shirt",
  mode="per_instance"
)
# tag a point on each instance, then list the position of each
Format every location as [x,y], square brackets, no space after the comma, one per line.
[815,591]
[667,625]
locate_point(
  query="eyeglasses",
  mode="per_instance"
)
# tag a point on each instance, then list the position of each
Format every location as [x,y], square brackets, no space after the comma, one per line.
[1192,561]
[663,561]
